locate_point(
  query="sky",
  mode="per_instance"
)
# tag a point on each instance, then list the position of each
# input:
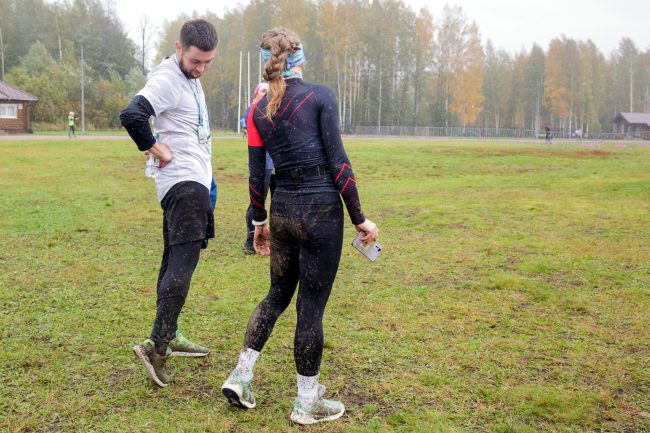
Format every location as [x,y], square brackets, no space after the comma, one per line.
[512,25]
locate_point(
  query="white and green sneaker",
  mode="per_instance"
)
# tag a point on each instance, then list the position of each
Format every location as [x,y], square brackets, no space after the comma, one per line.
[321,410]
[238,391]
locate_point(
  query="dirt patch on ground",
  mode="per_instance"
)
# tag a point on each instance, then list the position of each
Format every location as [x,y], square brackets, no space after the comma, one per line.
[121,375]
[600,152]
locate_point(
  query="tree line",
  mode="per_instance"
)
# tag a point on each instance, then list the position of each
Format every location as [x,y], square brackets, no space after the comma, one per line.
[388,64]
[41,54]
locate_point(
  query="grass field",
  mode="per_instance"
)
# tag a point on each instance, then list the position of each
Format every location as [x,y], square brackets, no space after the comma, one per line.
[112,132]
[513,294]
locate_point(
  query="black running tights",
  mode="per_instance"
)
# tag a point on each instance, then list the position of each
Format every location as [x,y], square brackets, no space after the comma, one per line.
[176,269]
[306,241]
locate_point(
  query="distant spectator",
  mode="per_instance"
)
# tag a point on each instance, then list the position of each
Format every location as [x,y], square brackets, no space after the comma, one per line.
[242,123]
[549,135]
[71,122]
[578,134]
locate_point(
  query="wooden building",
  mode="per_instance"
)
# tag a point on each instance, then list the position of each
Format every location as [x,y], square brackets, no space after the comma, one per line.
[15,109]
[633,125]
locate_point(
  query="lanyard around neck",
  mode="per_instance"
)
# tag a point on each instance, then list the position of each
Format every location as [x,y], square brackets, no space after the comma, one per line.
[194,88]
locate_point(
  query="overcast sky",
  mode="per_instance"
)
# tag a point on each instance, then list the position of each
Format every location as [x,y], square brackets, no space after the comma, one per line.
[510,24]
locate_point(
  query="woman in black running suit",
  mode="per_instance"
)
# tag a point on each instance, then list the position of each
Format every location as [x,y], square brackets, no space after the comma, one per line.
[298,124]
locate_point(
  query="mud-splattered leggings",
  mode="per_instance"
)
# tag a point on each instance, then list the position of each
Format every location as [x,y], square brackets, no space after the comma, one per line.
[306,241]
[176,269]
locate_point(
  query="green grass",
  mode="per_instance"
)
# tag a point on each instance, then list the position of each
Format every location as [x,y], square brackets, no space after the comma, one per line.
[80,133]
[513,294]
[113,132]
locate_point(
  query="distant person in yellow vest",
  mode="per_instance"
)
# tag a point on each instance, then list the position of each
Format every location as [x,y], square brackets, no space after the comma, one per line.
[71,121]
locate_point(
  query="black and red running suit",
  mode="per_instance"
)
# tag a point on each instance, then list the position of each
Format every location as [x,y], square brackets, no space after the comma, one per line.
[313,172]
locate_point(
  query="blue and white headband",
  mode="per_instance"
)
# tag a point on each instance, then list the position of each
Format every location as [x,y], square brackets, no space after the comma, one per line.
[293,60]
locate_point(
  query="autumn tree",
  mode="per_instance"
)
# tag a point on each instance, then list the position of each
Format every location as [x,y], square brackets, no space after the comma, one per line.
[497,87]
[592,87]
[55,83]
[530,92]
[388,65]
[562,78]
[145,42]
[643,63]
[423,46]
[624,62]
[459,63]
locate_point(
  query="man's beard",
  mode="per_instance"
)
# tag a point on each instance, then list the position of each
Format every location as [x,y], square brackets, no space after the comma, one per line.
[182,68]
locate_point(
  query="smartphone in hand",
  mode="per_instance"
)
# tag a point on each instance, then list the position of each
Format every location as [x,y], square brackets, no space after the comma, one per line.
[369,249]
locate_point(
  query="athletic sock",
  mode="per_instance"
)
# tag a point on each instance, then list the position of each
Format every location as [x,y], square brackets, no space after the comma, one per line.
[247,358]
[307,389]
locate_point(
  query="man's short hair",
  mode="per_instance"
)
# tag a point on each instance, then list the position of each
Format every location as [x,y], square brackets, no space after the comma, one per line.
[200,34]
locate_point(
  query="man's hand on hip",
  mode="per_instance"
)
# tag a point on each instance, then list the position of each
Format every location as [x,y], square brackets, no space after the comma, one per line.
[162,152]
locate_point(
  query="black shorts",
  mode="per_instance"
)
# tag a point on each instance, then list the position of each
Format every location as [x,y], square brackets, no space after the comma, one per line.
[187,214]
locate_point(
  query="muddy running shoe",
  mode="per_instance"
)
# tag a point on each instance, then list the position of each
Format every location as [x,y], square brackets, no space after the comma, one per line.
[153,362]
[238,391]
[181,346]
[321,410]
[249,249]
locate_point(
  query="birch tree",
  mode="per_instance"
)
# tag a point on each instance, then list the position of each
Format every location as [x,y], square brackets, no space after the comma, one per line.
[423,46]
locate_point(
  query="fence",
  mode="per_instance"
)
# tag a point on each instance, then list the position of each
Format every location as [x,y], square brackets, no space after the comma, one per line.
[488,133]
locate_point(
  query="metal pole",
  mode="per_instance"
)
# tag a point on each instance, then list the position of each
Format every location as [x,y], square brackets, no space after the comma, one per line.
[379,111]
[239,103]
[539,89]
[248,73]
[631,87]
[2,54]
[143,31]
[83,98]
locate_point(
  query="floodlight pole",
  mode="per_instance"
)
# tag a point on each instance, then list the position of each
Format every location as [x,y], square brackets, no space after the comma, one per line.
[239,103]
[2,54]
[379,111]
[631,87]
[539,90]
[83,98]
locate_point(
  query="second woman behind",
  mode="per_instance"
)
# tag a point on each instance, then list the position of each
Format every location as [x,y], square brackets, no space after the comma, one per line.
[298,124]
